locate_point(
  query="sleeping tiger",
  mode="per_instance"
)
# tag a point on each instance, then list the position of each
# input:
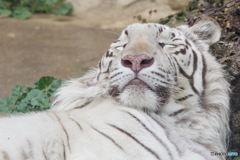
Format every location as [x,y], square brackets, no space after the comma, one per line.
[157,94]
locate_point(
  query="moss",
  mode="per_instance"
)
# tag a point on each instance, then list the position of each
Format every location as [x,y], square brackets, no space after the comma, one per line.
[181,16]
[165,20]
[192,5]
[215,3]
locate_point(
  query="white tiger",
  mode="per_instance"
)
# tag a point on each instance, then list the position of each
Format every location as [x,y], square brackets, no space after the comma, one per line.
[157,95]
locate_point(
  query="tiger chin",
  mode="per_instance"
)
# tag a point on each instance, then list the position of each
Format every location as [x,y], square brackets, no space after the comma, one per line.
[157,93]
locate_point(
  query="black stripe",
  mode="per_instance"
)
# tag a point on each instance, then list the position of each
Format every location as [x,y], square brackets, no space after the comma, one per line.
[173,35]
[114,69]
[176,69]
[115,75]
[189,59]
[109,138]
[156,79]
[184,98]
[109,54]
[177,112]
[5,155]
[98,75]
[126,32]
[162,81]
[64,150]
[204,70]
[83,105]
[30,149]
[110,64]
[167,133]
[65,131]
[169,59]
[79,126]
[195,59]
[136,140]
[154,135]
[190,78]
[164,70]
[44,154]
[160,29]
[99,65]
[176,39]
[115,80]
[159,74]
[161,44]
[182,51]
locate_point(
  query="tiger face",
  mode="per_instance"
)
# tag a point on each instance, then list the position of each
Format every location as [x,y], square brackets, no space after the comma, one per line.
[152,66]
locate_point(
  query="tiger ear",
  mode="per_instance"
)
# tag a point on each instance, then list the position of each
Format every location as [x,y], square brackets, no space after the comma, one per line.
[207,29]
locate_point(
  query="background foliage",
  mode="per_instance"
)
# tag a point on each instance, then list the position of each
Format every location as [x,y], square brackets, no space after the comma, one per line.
[25,99]
[24,8]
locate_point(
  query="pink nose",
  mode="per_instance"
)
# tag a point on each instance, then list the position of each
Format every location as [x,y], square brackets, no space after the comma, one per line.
[138,62]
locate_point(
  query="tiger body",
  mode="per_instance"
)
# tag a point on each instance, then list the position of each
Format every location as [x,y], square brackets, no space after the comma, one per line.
[98,134]
[157,94]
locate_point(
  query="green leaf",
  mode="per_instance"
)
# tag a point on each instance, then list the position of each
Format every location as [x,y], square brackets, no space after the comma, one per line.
[41,103]
[5,12]
[17,91]
[44,82]
[33,94]
[55,85]
[6,104]
[22,107]
[21,13]
[37,100]
[64,9]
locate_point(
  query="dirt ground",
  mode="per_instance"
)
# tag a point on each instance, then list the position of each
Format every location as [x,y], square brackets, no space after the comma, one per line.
[30,49]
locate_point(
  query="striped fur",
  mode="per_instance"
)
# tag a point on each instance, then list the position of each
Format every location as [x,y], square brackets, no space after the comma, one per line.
[179,112]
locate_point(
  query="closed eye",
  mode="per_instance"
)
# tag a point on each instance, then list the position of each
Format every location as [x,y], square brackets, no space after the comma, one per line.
[172,45]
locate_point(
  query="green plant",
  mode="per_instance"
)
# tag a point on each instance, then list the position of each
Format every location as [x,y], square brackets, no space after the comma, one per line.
[24,8]
[34,98]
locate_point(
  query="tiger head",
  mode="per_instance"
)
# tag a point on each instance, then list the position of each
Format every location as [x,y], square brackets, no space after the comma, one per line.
[152,66]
